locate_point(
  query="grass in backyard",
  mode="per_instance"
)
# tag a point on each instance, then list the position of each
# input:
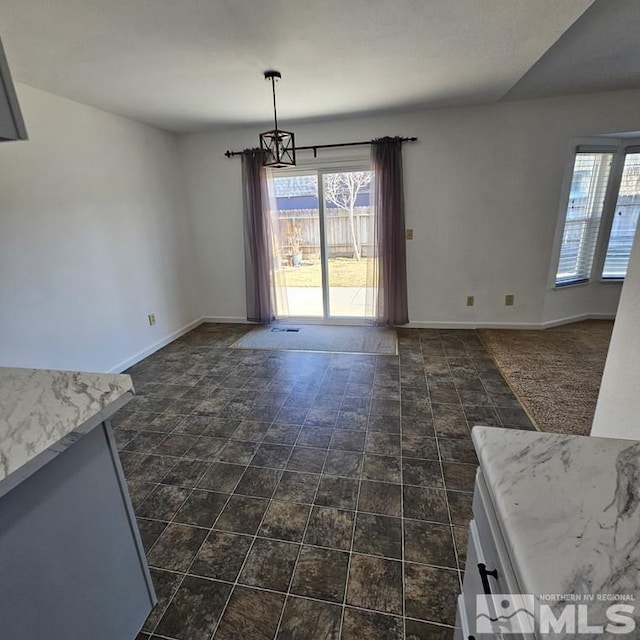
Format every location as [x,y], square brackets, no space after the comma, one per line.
[343,272]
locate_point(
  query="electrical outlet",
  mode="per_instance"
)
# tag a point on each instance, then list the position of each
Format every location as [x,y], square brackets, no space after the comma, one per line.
[471,300]
[409,234]
[152,319]
[508,300]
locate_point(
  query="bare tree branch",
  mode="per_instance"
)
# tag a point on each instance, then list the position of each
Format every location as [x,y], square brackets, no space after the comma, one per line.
[342,189]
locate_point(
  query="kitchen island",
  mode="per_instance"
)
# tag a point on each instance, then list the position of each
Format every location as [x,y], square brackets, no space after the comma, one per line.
[71,560]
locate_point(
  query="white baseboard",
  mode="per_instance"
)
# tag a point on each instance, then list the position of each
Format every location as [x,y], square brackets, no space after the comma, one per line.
[226,319]
[509,325]
[141,355]
[583,316]
[470,325]
[464,324]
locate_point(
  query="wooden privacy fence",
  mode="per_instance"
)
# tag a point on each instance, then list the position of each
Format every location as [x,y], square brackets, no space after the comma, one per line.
[337,227]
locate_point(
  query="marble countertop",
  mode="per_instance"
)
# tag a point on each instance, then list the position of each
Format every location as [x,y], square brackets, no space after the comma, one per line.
[568,508]
[39,408]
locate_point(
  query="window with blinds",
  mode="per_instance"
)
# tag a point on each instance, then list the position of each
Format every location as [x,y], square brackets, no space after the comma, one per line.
[625,219]
[589,182]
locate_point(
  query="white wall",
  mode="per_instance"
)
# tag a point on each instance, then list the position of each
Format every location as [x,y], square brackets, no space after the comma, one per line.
[482,190]
[94,235]
[618,409]
[95,231]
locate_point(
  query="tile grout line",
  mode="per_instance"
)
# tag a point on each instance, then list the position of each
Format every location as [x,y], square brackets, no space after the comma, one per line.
[255,536]
[273,384]
[455,546]
[169,602]
[322,474]
[353,529]
[311,599]
[260,525]
[331,475]
[315,546]
[297,595]
[404,607]
[191,492]
[186,572]
[244,562]
[172,520]
[304,535]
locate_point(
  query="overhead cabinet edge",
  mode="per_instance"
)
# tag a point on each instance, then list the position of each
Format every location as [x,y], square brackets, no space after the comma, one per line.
[11,123]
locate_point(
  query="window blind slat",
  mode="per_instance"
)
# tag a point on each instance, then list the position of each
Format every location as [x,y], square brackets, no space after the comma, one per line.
[583,215]
[625,219]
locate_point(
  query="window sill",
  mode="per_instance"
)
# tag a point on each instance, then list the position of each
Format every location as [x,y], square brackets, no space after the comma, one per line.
[582,283]
[569,285]
[611,280]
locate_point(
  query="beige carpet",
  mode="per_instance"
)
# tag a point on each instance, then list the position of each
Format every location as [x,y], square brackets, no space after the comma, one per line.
[311,337]
[555,373]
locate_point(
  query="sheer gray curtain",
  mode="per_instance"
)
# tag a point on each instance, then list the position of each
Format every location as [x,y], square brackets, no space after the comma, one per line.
[257,253]
[388,206]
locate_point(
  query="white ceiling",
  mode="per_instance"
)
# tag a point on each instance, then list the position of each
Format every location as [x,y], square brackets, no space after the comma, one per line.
[600,52]
[192,65]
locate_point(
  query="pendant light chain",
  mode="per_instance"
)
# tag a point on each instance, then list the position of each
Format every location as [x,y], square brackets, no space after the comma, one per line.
[275,111]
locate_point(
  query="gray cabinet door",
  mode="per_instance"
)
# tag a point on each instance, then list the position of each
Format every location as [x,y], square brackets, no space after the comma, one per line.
[11,122]
[72,565]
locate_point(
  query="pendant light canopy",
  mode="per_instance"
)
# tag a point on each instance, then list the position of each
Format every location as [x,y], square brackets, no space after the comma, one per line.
[279,145]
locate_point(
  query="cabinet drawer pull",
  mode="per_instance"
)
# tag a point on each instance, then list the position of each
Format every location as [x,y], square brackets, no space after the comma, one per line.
[484,576]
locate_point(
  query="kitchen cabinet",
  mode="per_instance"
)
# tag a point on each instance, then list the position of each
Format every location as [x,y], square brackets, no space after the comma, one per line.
[72,565]
[554,540]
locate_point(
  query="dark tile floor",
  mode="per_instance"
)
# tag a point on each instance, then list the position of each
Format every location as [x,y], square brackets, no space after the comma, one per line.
[299,495]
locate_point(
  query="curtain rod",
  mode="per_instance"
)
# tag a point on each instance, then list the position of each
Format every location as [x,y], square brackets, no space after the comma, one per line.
[315,147]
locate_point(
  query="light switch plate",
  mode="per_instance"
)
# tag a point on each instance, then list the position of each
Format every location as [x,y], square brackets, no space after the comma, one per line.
[409,234]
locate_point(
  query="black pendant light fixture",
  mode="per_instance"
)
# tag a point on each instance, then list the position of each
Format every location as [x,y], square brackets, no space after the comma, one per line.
[279,145]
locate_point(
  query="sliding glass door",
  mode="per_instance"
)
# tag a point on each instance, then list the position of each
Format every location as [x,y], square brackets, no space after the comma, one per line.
[349,248]
[323,239]
[298,252]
